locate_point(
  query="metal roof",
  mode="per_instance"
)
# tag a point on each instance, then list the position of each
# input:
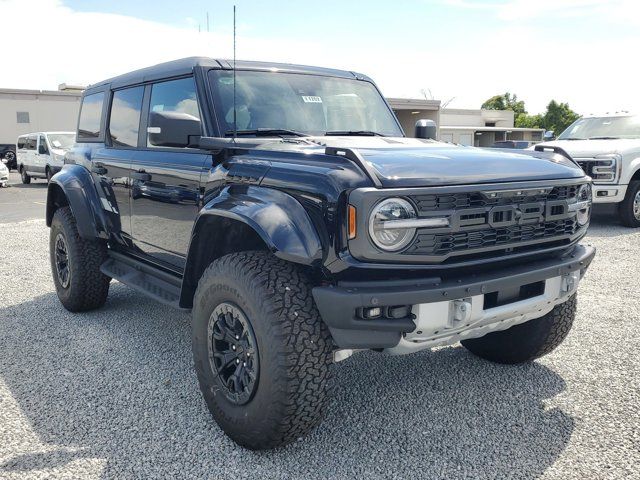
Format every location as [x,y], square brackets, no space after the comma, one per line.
[185,66]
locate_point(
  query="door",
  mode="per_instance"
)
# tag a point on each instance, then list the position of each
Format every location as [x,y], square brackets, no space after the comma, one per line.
[165,182]
[112,164]
[42,155]
[30,163]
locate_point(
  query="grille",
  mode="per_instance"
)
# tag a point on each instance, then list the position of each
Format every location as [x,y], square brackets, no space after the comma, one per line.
[480,236]
[438,202]
[444,244]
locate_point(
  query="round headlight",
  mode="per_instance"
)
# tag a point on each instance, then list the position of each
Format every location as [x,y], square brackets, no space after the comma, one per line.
[385,224]
[584,197]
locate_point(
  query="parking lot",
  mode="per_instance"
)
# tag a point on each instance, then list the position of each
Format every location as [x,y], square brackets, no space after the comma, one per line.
[112,393]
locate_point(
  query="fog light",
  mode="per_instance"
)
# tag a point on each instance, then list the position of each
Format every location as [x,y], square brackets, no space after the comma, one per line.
[402,311]
[372,312]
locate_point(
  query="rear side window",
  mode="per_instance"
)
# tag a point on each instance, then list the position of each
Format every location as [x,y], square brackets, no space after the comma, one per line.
[21,142]
[31,142]
[174,96]
[124,121]
[90,116]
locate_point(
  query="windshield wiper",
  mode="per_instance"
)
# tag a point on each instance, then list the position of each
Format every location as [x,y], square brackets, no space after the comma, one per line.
[604,137]
[266,132]
[354,133]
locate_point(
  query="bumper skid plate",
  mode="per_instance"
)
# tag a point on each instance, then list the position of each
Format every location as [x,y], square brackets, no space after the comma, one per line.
[446,311]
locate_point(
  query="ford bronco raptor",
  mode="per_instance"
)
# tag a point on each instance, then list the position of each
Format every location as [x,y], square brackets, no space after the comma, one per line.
[285,208]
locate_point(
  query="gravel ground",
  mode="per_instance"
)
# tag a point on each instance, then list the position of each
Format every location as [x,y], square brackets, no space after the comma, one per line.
[112,394]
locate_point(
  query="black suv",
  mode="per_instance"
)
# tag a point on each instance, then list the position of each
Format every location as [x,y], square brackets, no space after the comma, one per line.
[8,155]
[284,206]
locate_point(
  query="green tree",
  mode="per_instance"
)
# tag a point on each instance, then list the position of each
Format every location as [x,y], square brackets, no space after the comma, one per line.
[525,120]
[505,102]
[558,117]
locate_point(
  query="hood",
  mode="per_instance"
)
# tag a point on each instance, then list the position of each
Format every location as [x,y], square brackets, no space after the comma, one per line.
[409,162]
[591,148]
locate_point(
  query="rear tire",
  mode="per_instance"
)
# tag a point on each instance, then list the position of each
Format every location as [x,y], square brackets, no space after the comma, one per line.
[529,340]
[292,346]
[26,179]
[629,208]
[75,265]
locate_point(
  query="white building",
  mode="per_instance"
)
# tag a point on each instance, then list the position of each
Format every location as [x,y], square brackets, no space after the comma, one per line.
[26,111]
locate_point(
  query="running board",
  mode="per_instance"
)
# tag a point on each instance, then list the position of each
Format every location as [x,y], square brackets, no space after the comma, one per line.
[155,283]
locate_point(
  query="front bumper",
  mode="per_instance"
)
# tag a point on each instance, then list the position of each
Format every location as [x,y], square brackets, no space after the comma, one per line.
[603,193]
[436,301]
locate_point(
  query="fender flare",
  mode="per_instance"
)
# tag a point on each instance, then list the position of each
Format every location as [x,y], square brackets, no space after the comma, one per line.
[276,217]
[75,183]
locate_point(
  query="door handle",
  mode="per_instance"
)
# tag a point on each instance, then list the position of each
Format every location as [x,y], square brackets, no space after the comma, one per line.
[141,175]
[99,169]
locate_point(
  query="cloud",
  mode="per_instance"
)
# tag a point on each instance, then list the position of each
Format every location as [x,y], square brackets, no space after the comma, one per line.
[591,71]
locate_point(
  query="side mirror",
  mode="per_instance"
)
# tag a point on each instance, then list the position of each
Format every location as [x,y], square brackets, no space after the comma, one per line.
[426,129]
[173,129]
[548,135]
[42,149]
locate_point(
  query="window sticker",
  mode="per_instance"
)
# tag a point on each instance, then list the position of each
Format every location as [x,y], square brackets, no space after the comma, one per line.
[56,143]
[311,99]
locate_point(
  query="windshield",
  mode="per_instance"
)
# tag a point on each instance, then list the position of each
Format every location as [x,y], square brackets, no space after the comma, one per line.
[310,104]
[603,127]
[61,140]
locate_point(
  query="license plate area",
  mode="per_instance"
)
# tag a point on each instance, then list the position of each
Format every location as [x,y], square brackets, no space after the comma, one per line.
[506,296]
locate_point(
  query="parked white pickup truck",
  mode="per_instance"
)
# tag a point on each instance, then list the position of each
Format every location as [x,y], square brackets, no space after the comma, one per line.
[607,147]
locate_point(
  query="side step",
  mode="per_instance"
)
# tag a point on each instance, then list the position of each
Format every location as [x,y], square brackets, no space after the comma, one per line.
[155,283]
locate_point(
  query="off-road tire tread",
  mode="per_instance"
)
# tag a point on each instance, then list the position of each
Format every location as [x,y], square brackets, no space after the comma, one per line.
[298,335]
[625,209]
[89,286]
[527,341]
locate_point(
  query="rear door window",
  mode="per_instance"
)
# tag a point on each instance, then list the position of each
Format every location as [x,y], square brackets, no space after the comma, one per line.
[89,126]
[31,142]
[21,142]
[124,120]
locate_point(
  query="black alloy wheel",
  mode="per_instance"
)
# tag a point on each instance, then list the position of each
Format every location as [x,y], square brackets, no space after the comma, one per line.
[233,352]
[62,261]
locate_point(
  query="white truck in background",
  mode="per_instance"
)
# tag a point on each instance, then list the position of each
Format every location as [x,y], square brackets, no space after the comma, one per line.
[607,147]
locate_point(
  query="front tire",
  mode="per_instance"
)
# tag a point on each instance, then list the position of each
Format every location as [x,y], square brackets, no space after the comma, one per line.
[262,306]
[629,209]
[527,341]
[24,176]
[75,265]
[49,174]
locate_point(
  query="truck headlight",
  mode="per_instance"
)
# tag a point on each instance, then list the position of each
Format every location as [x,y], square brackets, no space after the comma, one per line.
[583,204]
[605,167]
[390,224]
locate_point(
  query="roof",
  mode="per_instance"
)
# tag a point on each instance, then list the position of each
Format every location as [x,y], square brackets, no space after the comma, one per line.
[49,93]
[185,66]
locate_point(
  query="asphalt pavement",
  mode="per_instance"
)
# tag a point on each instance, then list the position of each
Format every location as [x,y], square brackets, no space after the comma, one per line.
[112,393]
[22,202]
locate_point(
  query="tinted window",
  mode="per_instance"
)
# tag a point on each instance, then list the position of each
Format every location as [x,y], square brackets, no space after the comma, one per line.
[174,96]
[31,142]
[43,144]
[124,121]
[90,116]
[21,142]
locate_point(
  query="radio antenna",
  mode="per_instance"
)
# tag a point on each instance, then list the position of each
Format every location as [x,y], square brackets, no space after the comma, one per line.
[235,123]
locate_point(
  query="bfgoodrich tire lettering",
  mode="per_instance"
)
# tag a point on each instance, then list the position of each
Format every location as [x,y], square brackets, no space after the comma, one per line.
[82,286]
[529,340]
[293,344]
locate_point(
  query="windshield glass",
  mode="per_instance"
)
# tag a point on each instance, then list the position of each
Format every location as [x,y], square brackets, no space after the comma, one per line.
[313,105]
[603,127]
[61,140]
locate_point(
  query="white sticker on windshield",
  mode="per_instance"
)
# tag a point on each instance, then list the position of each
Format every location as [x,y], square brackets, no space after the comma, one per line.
[308,99]
[56,143]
